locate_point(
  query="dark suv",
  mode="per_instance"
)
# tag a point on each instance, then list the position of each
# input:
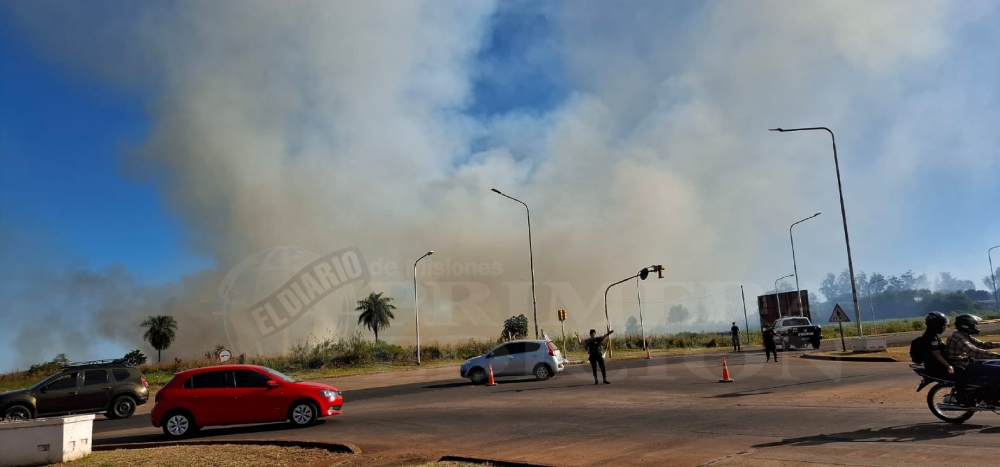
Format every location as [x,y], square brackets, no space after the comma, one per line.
[108,386]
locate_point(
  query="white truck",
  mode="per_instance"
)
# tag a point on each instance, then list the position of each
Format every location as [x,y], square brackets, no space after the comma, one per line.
[796,331]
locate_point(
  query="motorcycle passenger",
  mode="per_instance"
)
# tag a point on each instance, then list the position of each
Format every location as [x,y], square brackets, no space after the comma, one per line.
[969,354]
[931,349]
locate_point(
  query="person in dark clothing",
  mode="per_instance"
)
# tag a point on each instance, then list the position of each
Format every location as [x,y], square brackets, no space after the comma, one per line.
[769,347]
[970,357]
[734,332]
[593,346]
[935,355]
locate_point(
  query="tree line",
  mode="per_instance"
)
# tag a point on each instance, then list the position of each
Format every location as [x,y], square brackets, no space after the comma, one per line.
[904,295]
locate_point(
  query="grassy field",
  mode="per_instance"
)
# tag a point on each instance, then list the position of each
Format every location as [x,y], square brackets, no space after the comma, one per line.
[229,455]
[329,358]
[356,355]
[899,352]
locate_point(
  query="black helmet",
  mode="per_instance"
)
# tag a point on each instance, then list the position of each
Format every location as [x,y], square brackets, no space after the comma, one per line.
[936,319]
[968,323]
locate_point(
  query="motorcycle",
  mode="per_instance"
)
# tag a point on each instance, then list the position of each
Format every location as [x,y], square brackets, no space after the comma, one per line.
[945,399]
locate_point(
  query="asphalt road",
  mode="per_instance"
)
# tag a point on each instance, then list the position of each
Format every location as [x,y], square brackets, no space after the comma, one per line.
[664,411]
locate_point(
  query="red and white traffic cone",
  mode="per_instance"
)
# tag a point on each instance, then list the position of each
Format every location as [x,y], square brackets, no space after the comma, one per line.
[725,372]
[491,382]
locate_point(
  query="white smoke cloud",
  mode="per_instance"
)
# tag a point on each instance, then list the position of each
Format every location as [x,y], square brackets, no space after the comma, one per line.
[334,124]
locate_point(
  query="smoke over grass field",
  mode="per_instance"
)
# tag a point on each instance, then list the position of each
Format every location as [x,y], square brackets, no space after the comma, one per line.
[636,136]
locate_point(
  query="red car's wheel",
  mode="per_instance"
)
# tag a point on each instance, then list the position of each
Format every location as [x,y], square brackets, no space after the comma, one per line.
[303,413]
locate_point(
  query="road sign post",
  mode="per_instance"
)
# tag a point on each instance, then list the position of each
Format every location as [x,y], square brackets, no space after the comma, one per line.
[562,322]
[838,316]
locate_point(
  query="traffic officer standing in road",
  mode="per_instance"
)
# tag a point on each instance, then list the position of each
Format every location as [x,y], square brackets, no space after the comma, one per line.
[769,347]
[593,346]
[734,332]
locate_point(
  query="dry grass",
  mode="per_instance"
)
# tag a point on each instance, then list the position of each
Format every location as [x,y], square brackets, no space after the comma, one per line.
[230,455]
[223,455]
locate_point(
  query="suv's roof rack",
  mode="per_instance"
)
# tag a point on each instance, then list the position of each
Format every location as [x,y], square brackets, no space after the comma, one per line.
[116,361]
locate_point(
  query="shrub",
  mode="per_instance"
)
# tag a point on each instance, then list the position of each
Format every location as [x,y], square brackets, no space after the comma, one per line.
[134,358]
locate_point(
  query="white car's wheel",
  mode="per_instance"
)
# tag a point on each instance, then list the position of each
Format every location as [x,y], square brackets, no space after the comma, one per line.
[542,371]
[477,376]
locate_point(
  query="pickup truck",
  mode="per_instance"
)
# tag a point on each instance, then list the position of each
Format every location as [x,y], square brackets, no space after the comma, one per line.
[796,332]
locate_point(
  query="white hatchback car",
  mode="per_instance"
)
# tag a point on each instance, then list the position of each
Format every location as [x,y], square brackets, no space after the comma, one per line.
[536,358]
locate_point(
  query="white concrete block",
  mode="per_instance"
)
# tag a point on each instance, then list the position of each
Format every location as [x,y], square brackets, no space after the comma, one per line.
[45,440]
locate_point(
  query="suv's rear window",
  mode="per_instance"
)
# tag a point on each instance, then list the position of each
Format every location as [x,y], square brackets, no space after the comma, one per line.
[532,346]
[796,322]
[95,377]
[120,374]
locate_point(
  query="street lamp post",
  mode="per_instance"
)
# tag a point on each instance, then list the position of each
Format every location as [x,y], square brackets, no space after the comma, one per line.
[993,276]
[795,268]
[871,302]
[777,297]
[416,304]
[531,258]
[843,214]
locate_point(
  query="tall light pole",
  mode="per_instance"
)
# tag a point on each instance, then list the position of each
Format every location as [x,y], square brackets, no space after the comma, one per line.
[843,214]
[993,276]
[872,302]
[777,298]
[795,268]
[416,304]
[531,258]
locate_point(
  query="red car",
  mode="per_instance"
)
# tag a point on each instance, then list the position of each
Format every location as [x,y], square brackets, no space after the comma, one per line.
[239,394]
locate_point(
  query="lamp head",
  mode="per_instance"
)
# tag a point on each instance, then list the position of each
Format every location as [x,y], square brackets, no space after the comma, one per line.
[430,253]
[775,129]
[496,191]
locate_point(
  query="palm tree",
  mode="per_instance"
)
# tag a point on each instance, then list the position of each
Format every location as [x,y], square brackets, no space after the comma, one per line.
[376,311]
[160,332]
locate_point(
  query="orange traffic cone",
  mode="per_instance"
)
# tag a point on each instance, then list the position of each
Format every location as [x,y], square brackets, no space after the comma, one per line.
[725,372]
[490,382]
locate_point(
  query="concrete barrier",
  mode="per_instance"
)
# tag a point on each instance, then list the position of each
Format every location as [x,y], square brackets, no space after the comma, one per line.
[869,344]
[45,441]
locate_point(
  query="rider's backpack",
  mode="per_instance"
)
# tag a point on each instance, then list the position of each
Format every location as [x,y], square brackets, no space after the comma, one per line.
[919,349]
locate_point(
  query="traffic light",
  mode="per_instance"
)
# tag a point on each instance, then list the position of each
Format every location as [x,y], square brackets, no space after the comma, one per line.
[659,270]
[644,273]
[562,315]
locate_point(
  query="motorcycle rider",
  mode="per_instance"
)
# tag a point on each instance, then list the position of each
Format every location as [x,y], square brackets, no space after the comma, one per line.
[931,348]
[971,356]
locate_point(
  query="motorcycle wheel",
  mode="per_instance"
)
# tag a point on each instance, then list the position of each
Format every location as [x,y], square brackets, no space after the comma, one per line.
[941,394]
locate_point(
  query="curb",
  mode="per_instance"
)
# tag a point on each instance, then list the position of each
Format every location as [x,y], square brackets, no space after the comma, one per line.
[495,463]
[849,359]
[341,448]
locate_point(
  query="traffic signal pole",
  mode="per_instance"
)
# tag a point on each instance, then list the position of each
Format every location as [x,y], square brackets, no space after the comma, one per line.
[643,274]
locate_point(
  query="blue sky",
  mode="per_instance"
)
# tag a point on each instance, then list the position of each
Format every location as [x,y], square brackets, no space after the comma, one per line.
[146,153]
[62,178]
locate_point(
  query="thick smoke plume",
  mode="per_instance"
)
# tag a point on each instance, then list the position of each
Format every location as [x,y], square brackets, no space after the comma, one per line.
[327,125]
